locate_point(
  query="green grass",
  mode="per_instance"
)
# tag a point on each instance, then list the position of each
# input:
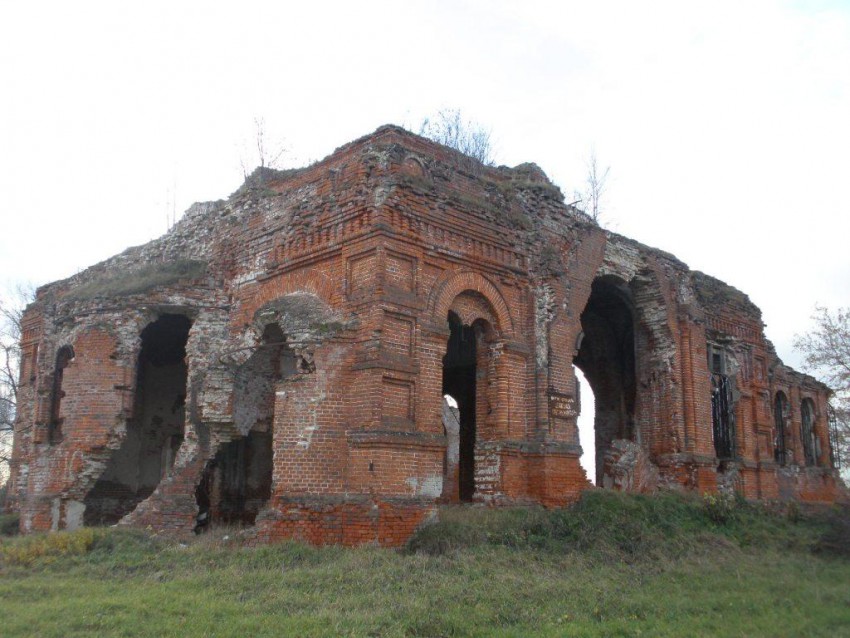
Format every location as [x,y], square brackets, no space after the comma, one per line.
[611,566]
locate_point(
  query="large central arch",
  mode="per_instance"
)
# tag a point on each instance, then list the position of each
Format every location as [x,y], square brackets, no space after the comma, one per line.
[606,356]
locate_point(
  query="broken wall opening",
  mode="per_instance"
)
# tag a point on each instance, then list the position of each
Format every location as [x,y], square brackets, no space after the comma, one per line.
[460,383]
[585,419]
[237,481]
[155,431]
[606,356]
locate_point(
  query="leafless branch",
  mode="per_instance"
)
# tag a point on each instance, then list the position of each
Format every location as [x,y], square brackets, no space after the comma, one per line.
[11,314]
[594,188]
[268,153]
[448,127]
[826,353]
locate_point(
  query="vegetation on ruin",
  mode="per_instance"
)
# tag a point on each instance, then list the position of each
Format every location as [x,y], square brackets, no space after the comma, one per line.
[451,128]
[139,280]
[826,354]
[614,565]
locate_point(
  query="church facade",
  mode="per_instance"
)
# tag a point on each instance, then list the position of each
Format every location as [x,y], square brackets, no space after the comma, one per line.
[280,360]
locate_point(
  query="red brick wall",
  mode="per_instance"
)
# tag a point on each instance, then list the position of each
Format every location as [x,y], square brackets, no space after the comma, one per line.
[359,258]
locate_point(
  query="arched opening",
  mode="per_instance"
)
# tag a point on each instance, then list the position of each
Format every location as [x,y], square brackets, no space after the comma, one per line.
[237,481]
[155,432]
[606,356]
[460,365]
[586,435]
[807,431]
[54,429]
[780,414]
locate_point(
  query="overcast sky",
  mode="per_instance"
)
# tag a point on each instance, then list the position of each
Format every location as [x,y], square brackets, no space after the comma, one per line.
[726,124]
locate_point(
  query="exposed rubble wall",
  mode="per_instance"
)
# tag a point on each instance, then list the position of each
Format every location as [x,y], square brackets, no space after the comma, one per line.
[310,324]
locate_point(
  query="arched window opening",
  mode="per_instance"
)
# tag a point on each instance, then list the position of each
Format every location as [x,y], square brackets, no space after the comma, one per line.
[459,382]
[722,412]
[807,431]
[780,413]
[237,481]
[63,359]
[155,431]
[606,356]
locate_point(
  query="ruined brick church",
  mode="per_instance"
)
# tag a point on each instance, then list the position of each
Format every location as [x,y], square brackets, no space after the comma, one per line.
[280,360]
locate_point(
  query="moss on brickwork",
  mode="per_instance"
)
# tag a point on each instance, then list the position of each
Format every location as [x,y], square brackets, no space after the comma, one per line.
[139,280]
[713,293]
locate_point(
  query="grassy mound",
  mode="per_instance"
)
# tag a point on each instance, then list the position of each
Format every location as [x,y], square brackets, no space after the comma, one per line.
[629,527]
[612,565]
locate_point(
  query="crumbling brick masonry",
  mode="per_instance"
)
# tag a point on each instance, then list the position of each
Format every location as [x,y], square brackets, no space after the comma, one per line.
[279,359]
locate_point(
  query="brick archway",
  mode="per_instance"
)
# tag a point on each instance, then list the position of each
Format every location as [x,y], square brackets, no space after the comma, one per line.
[314,282]
[455,283]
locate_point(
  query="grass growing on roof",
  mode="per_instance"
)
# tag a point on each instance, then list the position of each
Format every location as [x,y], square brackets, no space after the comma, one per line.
[139,280]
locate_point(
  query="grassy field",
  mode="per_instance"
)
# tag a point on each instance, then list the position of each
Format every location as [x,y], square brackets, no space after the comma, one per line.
[613,565]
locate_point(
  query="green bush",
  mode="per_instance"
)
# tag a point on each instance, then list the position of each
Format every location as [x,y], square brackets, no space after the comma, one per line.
[721,507]
[9,524]
[835,539]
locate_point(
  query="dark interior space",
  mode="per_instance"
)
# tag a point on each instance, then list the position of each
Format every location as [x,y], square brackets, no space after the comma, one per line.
[155,431]
[606,356]
[237,482]
[807,431]
[63,360]
[459,372]
[722,406]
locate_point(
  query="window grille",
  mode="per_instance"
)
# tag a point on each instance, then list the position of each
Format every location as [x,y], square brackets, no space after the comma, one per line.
[834,456]
[721,416]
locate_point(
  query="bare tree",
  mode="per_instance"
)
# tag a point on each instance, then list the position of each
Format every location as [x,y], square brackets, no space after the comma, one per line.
[594,188]
[11,312]
[448,127]
[826,353]
[266,153]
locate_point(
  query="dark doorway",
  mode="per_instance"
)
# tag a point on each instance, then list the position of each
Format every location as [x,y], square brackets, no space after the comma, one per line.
[237,481]
[606,356]
[156,430]
[459,381]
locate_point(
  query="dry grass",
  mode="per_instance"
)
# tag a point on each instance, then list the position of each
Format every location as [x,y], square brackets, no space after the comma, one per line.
[140,280]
